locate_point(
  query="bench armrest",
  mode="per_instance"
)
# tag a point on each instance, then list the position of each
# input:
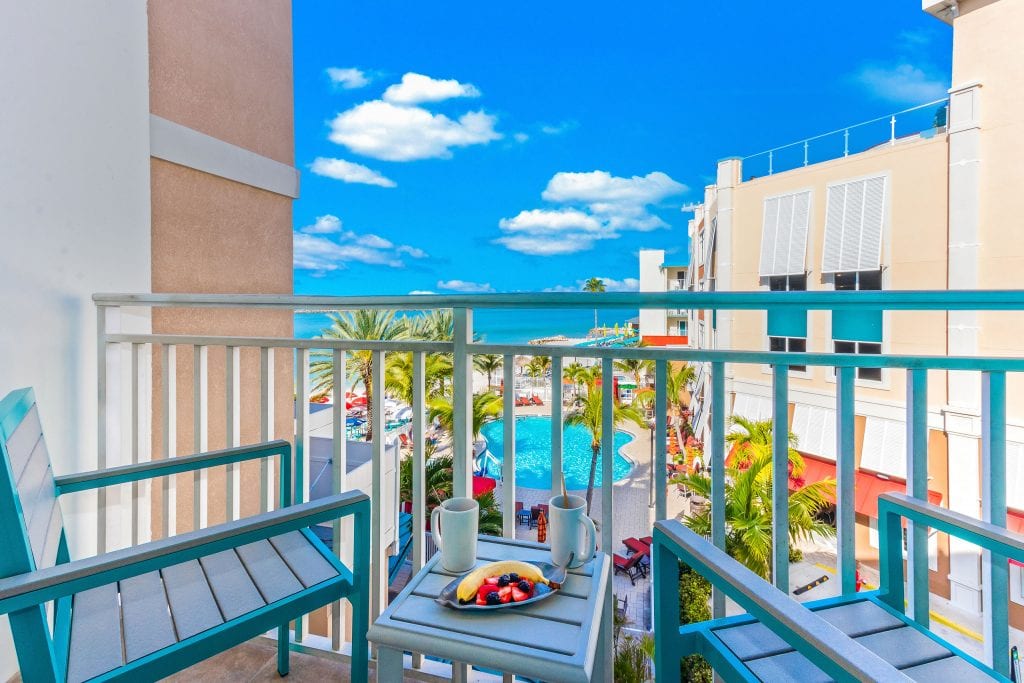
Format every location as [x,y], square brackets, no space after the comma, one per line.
[125,474]
[40,586]
[827,647]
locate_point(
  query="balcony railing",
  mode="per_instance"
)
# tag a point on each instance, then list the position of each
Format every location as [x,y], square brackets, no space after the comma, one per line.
[131,363]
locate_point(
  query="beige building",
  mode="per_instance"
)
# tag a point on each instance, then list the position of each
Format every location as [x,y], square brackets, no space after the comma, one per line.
[144,144]
[936,207]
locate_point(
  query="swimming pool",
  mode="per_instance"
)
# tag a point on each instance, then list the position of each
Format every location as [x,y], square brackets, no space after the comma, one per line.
[533,453]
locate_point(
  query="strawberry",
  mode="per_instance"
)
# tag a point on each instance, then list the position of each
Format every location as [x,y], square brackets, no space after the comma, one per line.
[491,580]
[482,592]
[482,602]
[519,596]
[505,594]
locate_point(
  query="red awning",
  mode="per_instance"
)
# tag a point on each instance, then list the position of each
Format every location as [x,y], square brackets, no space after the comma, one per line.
[482,485]
[867,486]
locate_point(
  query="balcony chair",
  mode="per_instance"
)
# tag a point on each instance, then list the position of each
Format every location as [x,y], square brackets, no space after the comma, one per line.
[522,515]
[862,636]
[635,545]
[145,612]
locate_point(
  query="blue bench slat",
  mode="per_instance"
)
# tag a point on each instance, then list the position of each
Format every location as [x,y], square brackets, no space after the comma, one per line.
[303,559]
[789,667]
[192,604]
[145,616]
[269,572]
[95,646]
[235,592]
[904,647]
[949,670]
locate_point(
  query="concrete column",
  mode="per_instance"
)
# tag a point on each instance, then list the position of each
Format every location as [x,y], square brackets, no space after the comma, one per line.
[730,171]
[963,417]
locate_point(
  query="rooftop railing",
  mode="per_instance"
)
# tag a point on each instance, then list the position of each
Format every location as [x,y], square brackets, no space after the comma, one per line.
[921,120]
[131,363]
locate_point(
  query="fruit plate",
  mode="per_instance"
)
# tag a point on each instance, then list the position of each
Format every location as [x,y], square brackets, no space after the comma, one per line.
[555,576]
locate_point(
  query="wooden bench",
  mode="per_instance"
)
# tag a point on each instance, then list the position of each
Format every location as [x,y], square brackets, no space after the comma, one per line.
[145,612]
[860,637]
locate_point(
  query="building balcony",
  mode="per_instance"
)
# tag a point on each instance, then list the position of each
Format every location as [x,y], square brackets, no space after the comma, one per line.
[166,394]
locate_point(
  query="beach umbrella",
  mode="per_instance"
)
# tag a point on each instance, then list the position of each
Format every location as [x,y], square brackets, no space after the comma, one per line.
[542,527]
[404,413]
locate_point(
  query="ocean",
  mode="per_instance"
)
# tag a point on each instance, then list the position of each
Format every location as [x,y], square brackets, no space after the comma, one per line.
[506,326]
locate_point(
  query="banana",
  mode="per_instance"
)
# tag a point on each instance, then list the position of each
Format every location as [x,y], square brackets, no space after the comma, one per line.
[471,584]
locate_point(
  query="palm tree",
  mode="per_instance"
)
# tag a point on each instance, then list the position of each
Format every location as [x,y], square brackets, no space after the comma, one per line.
[589,415]
[678,380]
[437,325]
[437,480]
[363,324]
[636,367]
[748,508]
[398,375]
[488,363]
[595,285]
[575,372]
[538,367]
[756,435]
[486,407]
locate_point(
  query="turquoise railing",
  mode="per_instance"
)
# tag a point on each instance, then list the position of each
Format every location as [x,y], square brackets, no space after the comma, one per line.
[119,410]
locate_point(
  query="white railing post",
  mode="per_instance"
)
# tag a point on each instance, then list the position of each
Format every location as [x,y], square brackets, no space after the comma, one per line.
[994,568]
[556,425]
[462,403]
[378,565]
[607,453]
[717,472]
[135,424]
[846,530]
[917,486]
[660,430]
[200,433]
[780,477]
[419,492]
[170,428]
[508,458]
[339,482]
[101,425]
[233,428]
[302,471]
[266,425]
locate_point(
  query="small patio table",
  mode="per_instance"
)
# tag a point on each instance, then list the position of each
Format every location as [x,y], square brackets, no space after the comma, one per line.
[564,638]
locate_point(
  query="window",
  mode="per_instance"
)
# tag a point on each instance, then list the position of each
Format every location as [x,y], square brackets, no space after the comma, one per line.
[885,447]
[815,430]
[779,323]
[867,280]
[854,216]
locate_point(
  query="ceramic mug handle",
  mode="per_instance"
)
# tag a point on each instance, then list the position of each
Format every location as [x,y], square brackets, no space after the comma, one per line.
[588,524]
[435,526]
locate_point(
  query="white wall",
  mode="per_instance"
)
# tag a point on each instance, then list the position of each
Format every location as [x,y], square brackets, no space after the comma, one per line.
[652,279]
[74,208]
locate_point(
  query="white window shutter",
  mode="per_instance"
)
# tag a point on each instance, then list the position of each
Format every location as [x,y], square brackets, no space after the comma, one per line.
[1015,475]
[784,234]
[815,429]
[769,236]
[884,449]
[854,217]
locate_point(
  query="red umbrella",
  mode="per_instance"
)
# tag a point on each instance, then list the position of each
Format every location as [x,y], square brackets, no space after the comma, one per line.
[482,485]
[359,401]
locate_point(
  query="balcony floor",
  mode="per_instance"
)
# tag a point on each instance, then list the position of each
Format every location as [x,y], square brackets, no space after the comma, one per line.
[256,660]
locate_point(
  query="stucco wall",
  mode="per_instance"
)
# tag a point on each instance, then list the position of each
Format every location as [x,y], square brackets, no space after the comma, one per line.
[74,213]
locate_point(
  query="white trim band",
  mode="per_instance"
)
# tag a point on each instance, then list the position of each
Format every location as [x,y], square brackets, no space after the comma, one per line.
[182,145]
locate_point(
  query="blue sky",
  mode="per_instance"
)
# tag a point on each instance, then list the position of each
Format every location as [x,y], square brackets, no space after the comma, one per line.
[529,146]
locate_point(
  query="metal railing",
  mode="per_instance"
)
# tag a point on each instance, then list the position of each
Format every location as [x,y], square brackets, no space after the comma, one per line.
[124,437]
[921,119]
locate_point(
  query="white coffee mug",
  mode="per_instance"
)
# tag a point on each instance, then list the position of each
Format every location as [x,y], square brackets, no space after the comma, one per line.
[454,525]
[571,532]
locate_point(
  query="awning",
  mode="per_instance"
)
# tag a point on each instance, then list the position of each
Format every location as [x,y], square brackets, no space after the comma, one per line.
[867,486]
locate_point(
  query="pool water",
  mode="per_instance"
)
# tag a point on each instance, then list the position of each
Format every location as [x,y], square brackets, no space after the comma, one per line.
[533,453]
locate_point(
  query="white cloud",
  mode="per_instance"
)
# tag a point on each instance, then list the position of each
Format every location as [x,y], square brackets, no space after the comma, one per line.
[348,79]
[902,83]
[324,225]
[417,88]
[465,287]
[558,129]
[421,291]
[324,247]
[520,137]
[628,284]
[386,131]
[349,172]
[414,252]
[601,206]
[550,221]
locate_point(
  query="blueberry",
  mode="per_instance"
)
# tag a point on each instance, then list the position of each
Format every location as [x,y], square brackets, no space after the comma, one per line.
[504,580]
[493,598]
[513,577]
[524,586]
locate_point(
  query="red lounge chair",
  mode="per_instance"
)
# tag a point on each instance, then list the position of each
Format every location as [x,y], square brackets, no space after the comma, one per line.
[635,545]
[631,567]
[647,540]
[537,400]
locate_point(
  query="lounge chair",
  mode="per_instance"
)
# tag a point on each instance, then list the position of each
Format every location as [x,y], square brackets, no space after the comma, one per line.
[537,401]
[635,545]
[630,566]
